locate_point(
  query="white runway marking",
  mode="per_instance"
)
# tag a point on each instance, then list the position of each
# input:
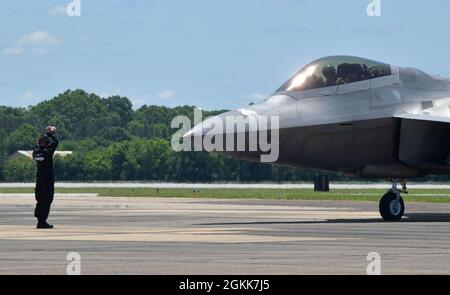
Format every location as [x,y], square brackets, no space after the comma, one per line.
[145,234]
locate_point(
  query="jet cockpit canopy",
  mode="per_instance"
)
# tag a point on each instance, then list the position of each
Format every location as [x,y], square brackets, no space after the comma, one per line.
[335,70]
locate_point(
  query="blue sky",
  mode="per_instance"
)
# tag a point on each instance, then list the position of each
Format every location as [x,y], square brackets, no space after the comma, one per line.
[209,53]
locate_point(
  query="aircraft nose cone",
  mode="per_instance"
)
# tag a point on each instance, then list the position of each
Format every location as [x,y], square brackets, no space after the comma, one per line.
[198,130]
[212,127]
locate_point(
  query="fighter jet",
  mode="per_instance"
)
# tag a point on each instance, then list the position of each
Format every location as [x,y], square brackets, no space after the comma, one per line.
[358,116]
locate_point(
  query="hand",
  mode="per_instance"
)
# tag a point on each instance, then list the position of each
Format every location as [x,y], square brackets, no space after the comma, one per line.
[50,130]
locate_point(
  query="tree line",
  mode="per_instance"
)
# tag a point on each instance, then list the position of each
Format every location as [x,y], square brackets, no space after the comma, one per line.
[111,141]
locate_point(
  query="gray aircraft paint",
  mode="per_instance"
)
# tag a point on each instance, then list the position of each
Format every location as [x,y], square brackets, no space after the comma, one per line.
[390,126]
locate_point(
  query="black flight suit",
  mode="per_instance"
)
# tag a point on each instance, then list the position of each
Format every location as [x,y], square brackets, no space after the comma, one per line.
[45,181]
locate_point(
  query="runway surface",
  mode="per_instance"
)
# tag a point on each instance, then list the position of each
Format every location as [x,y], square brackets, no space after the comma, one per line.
[196,236]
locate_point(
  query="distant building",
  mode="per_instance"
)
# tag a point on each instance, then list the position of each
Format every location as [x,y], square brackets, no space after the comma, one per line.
[29,154]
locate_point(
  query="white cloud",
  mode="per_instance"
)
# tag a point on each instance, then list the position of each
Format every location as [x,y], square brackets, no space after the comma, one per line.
[27,96]
[39,38]
[58,10]
[167,94]
[37,42]
[13,50]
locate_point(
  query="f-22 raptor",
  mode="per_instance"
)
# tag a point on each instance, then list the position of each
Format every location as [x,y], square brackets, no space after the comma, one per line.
[361,117]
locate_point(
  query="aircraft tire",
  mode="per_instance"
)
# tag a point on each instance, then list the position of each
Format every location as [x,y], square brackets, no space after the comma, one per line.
[390,209]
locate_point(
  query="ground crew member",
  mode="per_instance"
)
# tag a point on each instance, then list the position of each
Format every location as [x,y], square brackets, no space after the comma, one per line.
[45,179]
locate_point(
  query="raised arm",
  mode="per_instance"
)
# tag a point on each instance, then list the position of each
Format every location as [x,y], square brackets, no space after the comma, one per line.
[54,144]
[51,133]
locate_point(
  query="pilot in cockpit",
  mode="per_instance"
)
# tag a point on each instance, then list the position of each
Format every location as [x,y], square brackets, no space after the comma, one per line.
[329,72]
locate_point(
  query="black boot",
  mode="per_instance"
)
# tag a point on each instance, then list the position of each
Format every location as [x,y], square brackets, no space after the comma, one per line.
[44,225]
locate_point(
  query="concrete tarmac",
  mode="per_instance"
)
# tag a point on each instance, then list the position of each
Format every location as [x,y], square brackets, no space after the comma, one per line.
[205,236]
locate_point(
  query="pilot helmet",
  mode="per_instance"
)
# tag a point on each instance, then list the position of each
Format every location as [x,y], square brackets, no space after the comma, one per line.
[329,71]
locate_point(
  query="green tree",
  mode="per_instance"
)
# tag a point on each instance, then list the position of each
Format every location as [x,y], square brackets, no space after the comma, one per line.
[23,138]
[82,146]
[20,170]
[136,128]
[3,153]
[11,118]
[70,168]
[81,114]
[97,165]
[152,158]
[111,135]
[121,107]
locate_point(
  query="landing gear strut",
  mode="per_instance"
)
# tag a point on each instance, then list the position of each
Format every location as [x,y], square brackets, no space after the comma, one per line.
[392,206]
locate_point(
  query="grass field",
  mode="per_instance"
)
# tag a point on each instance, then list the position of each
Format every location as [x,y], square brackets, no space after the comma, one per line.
[416,195]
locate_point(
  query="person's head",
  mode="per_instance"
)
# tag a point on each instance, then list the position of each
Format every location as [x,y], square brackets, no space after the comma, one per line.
[44,141]
[50,130]
[330,74]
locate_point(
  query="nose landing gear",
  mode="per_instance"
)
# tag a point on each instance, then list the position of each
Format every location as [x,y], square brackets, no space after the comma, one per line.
[391,205]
